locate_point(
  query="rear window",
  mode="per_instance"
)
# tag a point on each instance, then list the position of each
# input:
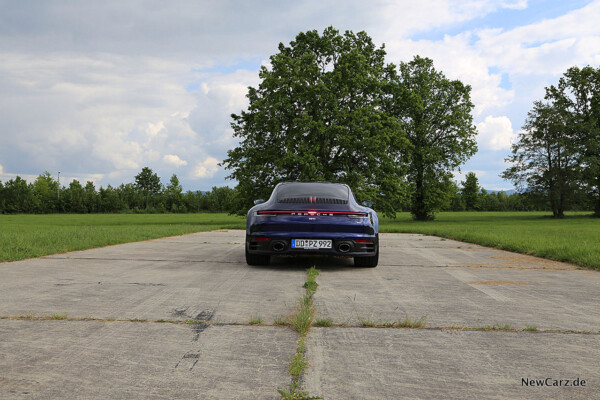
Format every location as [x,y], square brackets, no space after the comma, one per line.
[312,192]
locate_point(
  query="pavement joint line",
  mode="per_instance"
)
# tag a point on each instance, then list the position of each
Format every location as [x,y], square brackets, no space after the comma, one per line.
[59,318]
[141,259]
[494,267]
[301,322]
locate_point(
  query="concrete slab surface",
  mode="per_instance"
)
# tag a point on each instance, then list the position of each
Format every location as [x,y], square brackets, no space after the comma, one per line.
[448,290]
[371,363]
[204,276]
[198,276]
[127,360]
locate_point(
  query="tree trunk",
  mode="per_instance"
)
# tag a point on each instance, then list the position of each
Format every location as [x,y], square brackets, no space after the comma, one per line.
[418,207]
[552,198]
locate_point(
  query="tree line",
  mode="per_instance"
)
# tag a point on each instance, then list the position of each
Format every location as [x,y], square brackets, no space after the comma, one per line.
[146,195]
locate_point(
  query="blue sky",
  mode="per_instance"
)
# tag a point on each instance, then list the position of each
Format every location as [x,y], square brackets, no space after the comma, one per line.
[99,90]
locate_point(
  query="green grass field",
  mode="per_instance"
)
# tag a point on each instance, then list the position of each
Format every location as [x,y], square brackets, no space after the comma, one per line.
[26,236]
[574,239]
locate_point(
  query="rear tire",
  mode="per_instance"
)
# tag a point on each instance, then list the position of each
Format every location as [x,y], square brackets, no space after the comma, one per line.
[257,259]
[367,262]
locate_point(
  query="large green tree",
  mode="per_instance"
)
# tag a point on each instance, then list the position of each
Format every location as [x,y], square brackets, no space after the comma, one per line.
[174,195]
[18,196]
[317,115]
[470,191]
[148,183]
[435,113]
[74,198]
[576,98]
[45,192]
[91,197]
[544,158]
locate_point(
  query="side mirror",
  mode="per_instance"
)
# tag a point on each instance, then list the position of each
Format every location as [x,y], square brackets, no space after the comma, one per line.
[367,203]
[258,201]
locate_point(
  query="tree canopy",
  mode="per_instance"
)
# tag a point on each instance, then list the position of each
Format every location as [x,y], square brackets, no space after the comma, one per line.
[558,153]
[470,191]
[317,114]
[435,113]
[576,98]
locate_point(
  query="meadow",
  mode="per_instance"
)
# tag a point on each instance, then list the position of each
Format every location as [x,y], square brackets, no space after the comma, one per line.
[573,239]
[25,235]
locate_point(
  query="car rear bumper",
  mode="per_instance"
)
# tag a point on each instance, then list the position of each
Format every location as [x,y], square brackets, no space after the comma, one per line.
[345,245]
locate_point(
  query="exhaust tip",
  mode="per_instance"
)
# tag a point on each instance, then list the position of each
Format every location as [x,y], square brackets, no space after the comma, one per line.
[344,247]
[279,246]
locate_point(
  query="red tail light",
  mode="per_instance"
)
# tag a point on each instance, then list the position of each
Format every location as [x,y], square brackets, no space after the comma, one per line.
[314,213]
[363,241]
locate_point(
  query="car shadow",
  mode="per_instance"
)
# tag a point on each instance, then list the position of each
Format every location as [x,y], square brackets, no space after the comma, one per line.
[323,263]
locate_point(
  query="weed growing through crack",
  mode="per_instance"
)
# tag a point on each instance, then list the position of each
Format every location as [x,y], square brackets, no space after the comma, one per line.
[301,322]
[303,319]
[279,321]
[367,323]
[496,327]
[409,322]
[530,328]
[58,316]
[323,322]
[255,320]
[299,363]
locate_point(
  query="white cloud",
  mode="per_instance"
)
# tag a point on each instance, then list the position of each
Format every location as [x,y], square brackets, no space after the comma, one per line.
[153,129]
[219,97]
[546,47]
[514,5]
[495,133]
[174,159]
[456,57]
[397,19]
[114,99]
[207,168]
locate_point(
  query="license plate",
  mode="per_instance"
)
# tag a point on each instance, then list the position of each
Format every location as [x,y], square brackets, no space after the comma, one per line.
[311,244]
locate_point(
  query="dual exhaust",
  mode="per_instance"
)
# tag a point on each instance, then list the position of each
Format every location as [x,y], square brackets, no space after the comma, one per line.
[342,247]
[280,245]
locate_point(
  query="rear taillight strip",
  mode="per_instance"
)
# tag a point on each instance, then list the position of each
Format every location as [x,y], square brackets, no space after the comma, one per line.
[313,213]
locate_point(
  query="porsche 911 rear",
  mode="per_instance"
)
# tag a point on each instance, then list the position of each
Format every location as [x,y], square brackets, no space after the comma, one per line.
[312,218]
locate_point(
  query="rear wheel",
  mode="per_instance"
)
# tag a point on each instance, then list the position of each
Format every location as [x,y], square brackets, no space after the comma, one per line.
[367,262]
[257,259]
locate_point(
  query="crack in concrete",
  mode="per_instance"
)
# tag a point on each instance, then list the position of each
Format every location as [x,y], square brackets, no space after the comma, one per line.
[333,325]
[143,260]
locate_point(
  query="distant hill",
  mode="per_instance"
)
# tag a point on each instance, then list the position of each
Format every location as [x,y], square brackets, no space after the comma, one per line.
[508,192]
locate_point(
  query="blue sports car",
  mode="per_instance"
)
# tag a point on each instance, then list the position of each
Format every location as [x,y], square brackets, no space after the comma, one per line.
[312,218]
